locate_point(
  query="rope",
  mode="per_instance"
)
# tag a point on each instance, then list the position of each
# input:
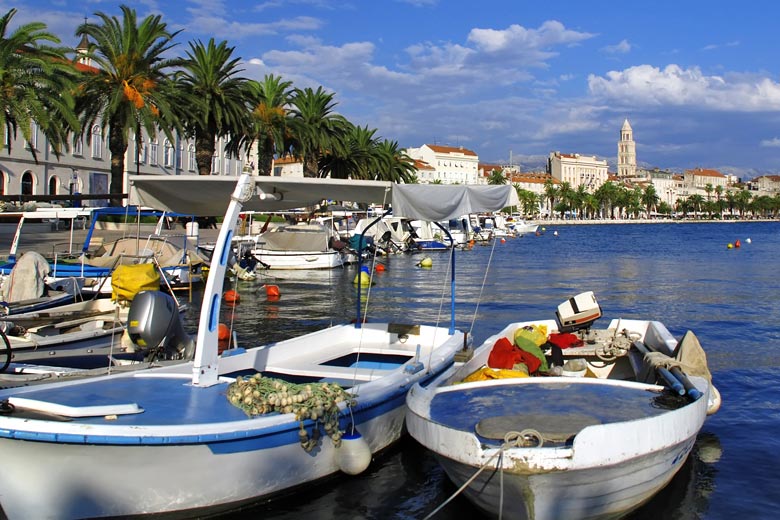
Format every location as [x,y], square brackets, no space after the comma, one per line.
[512,439]
[482,287]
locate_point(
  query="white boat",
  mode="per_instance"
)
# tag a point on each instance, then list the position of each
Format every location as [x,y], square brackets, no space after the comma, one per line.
[300,246]
[521,227]
[169,440]
[596,441]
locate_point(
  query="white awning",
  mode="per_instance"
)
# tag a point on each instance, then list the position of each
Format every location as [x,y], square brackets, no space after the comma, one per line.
[210,196]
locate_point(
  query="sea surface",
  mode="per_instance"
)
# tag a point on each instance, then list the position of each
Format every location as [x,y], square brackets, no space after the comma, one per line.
[683,275]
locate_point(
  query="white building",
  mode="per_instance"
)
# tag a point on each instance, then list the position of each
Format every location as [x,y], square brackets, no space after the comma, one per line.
[577,170]
[626,153]
[449,164]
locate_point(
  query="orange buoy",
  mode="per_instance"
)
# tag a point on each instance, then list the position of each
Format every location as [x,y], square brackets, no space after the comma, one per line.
[503,240]
[737,243]
[223,332]
[379,267]
[231,296]
[272,291]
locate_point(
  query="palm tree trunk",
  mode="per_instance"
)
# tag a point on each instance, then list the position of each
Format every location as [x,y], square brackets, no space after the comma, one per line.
[204,153]
[117,146]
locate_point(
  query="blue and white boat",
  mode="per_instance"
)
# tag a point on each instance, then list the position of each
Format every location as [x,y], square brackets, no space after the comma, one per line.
[595,437]
[170,440]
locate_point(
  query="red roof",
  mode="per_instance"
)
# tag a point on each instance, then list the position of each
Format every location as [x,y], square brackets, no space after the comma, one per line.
[450,149]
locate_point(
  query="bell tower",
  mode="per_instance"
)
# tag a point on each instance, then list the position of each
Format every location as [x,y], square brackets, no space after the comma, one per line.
[626,152]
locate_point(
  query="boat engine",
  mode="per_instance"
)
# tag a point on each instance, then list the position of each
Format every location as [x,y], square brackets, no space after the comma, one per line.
[154,325]
[578,312]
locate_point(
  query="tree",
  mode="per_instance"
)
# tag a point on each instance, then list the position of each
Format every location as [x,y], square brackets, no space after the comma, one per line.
[316,128]
[130,89]
[550,191]
[649,198]
[399,166]
[214,99]
[270,119]
[695,201]
[496,177]
[36,83]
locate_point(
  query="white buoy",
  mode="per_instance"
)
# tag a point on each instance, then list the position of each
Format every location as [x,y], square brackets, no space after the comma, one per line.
[748,240]
[555,233]
[354,455]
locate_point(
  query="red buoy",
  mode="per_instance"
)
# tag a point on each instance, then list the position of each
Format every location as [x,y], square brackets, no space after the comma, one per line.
[379,268]
[272,292]
[223,332]
[231,296]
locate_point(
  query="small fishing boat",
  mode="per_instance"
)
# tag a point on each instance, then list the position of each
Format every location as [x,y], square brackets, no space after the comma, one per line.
[594,437]
[219,432]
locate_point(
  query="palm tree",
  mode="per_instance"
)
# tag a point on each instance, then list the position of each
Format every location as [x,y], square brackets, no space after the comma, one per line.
[649,198]
[357,159]
[696,202]
[270,121]
[130,89]
[399,167]
[214,99]
[496,177]
[316,128]
[550,191]
[35,85]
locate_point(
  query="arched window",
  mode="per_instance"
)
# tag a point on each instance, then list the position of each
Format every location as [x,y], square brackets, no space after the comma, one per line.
[97,142]
[179,159]
[167,154]
[28,183]
[54,185]
[78,146]
[192,165]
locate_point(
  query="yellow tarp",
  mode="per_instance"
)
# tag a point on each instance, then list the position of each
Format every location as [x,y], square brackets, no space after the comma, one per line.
[129,280]
[487,373]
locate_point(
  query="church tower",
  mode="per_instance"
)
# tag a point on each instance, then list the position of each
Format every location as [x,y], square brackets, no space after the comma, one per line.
[626,152]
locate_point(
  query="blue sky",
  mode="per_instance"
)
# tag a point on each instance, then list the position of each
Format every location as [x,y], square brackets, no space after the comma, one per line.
[698,80]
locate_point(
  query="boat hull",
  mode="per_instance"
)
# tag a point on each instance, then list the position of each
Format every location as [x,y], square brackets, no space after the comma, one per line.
[188,450]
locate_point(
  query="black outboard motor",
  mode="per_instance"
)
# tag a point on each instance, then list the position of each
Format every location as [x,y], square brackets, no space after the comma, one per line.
[153,324]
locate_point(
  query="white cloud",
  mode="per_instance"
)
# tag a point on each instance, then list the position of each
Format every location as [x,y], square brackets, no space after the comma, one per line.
[645,85]
[620,48]
[771,143]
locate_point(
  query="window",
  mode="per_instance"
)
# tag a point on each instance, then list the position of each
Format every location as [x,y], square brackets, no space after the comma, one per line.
[153,153]
[28,183]
[54,185]
[97,142]
[226,165]
[141,150]
[33,143]
[167,154]
[192,165]
[179,160]
[78,146]
[215,164]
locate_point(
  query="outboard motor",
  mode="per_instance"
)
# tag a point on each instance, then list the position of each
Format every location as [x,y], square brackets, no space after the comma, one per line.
[153,324]
[578,312]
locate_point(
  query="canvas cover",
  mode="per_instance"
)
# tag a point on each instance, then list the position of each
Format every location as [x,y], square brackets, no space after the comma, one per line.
[129,280]
[436,202]
[26,280]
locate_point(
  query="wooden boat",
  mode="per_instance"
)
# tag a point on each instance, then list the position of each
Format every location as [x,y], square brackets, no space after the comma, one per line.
[220,432]
[596,440]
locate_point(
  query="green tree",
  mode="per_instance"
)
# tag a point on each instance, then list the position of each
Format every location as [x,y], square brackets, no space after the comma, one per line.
[649,198]
[696,201]
[550,192]
[130,89]
[270,119]
[316,128]
[36,84]
[214,99]
[399,167]
[496,177]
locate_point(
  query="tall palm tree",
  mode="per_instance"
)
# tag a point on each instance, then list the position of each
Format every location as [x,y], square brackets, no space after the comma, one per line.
[550,191]
[214,98]
[649,198]
[316,128]
[357,159]
[130,89]
[399,167]
[35,84]
[269,120]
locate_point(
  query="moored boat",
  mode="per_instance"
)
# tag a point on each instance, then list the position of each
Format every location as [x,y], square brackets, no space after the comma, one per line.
[208,435]
[595,437]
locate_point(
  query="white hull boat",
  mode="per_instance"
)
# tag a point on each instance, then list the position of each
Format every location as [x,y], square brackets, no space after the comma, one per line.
[569,446]
[220,432]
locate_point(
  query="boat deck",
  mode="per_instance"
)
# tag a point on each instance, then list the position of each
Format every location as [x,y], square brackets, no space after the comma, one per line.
[558,409]
[184,404]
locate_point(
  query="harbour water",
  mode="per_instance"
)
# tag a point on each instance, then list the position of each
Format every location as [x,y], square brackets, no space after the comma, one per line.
[681,274]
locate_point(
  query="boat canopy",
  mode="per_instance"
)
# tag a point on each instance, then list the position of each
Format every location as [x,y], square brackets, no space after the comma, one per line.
[210,196]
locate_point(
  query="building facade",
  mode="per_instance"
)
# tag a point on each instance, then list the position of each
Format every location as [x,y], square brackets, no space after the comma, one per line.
[577,170]
[450,164]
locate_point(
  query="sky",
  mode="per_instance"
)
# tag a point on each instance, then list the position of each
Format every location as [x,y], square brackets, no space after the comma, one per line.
[512,80]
